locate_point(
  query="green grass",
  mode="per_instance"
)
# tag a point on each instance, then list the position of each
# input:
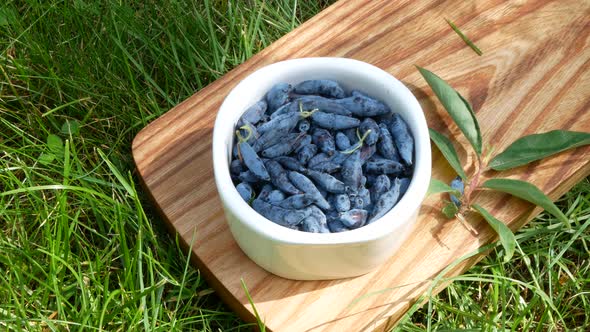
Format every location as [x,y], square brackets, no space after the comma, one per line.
[545,287]
[80,247]
[79,244]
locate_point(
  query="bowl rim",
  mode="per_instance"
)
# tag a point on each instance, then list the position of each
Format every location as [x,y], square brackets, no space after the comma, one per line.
[399,214]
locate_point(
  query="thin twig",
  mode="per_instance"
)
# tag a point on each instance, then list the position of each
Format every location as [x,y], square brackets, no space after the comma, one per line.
[465,38]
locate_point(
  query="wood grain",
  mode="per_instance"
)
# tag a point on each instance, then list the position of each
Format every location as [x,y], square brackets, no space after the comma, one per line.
[534,76]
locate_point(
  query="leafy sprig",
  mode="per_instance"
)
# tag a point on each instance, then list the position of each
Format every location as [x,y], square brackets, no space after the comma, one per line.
[523,151]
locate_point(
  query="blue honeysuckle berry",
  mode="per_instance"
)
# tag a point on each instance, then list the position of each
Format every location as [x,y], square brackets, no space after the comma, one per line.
[403,138]
[457,184]
[325,88]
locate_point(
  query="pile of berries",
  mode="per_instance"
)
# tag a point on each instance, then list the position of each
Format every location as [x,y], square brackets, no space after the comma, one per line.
[315,158]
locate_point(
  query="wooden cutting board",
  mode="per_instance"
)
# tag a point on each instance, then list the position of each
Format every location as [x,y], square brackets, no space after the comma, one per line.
[534,76]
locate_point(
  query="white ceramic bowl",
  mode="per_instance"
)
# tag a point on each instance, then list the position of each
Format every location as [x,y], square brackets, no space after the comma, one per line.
[307,256]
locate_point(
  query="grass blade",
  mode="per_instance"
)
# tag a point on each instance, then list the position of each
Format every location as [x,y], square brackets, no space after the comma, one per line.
[528,192]
[465,38]
[448,150]
[507,238]
[261,326]
[73,102]
[538,146]
[56,187]
[117,174]
[457,107]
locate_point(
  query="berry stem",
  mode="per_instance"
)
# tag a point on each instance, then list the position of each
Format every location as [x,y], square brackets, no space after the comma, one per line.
[306,114]
[239,134]
[359,144]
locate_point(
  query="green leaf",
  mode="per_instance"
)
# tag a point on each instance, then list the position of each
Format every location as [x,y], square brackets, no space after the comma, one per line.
[70,127]
[465,38]
[7,16]
[538,146]
[46,158]
[528,192]
[437,186]
[507,238]
[55,144]
[450,210]
[457,107]
[3,17]
[448,150]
